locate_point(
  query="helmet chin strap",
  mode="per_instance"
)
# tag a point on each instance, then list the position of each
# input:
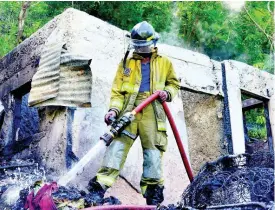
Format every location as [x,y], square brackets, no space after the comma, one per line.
[129,48]
[155,42]
[126,55]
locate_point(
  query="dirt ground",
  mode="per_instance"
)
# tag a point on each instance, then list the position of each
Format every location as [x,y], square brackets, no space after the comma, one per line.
[125,193]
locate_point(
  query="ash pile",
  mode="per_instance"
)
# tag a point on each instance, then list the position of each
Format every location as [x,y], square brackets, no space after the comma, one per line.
[239,182]
[242,182]
[26,185]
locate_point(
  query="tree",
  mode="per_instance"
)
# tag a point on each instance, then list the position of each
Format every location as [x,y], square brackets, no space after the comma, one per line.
[126,14]
[207,27]
[122,14]
[257,31]
[8,25]
[21,19]
[211,28]
[204,27]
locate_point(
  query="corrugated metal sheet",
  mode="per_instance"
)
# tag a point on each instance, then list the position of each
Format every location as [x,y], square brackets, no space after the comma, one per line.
[62,79]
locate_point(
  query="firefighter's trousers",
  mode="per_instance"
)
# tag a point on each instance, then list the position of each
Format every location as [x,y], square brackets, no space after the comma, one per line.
[153,143]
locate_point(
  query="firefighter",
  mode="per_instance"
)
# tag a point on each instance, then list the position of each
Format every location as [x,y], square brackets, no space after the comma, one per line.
[137,78]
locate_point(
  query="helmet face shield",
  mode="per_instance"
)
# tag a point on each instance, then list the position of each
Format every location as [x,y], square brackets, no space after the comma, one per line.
[140,46]
[140,43]
[137,42]
[144,49]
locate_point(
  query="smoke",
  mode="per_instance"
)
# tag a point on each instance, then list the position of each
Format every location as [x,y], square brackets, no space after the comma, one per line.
[172,37]
[234,6]
[268,63]
[220,49]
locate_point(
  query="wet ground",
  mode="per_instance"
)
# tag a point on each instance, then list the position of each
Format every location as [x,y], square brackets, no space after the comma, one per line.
[247,179]
[18,178]
[68,198]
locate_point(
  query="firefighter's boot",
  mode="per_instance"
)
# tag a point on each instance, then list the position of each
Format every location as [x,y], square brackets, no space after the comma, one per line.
[96,193]
[154,194]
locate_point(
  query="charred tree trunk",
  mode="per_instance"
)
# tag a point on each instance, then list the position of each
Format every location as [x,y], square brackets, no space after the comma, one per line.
[21,20]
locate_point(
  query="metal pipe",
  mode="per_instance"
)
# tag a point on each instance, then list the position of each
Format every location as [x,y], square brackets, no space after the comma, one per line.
[184,158]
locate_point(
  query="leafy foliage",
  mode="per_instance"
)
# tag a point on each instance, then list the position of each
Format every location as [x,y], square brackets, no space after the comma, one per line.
[207,27]
[204,27]
[211,28]
[8,25]
[256,123]
[121,14]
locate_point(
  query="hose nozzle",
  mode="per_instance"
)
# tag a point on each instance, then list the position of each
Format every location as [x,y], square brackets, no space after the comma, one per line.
[117,127]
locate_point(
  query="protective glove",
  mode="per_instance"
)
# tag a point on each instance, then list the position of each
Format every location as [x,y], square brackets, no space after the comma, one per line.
[163,96]
[110,114]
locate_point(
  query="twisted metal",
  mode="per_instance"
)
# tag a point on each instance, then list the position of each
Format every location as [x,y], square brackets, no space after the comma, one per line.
[233,182]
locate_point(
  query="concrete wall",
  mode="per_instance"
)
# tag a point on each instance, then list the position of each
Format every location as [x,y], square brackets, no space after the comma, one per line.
[242,77]
[52,147]
[203,118]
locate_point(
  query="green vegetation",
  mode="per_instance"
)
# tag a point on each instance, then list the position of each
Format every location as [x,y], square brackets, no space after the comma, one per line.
[8,26]
[38,14]
[207,27]
[122,14]
[256,123]
[222,34]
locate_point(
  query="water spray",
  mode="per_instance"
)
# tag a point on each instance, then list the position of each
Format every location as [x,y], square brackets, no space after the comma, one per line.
[92,153]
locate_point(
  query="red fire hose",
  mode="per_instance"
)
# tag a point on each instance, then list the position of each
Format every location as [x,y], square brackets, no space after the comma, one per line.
[184,158]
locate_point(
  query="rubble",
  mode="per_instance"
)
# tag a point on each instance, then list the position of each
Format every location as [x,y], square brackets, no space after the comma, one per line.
[244,181]
[18,178]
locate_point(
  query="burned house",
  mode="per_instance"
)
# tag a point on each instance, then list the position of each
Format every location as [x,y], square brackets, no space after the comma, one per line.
[55,130]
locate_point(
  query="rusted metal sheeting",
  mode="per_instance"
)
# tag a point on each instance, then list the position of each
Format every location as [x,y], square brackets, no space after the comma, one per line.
[62,79]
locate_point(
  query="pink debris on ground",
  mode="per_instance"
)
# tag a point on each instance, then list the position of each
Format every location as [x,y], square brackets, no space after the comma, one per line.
[43,199]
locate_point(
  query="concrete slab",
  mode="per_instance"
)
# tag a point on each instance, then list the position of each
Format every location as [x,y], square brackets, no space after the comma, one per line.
[253,80]
[235,108]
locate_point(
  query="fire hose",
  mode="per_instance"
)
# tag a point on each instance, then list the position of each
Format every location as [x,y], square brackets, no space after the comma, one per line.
[118,126]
